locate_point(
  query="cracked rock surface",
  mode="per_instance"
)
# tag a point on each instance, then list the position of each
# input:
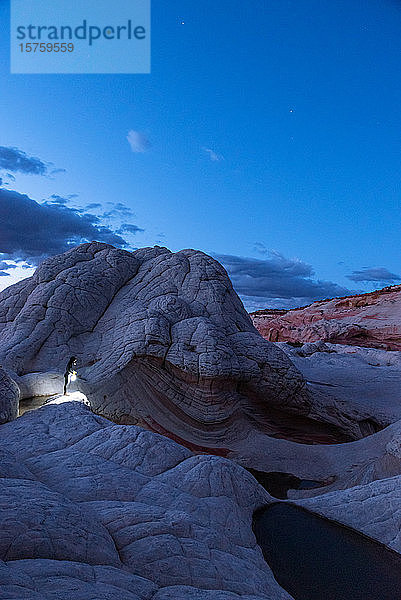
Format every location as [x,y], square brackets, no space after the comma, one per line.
[162,341]
[9,398]
[373,509]
[364,380]
[115,512]
[94,509]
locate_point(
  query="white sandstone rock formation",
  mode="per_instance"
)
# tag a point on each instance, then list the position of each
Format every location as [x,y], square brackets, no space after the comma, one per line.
[373,509]
[162,341]
[39,384]
[367,496]
[9,398]
[337,466]
[365,381]
[114,512]
[119,513]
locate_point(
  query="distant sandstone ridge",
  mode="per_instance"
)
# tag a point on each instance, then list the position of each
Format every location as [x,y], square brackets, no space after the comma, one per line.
[370,320]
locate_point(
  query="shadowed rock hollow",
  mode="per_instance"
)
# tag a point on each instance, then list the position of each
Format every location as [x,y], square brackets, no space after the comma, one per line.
[162,341]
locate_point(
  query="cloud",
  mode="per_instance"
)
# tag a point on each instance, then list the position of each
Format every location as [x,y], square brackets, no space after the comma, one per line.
[31,231]
[213,155]
[374,274]
[129,228]
[4,274]
[138,141]
[118,210]
[260,248]
[277,282]
[55,199]
[14,160]
[4,266]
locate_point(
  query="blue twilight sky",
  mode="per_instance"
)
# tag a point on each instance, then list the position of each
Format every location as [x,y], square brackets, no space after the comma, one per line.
[268,134]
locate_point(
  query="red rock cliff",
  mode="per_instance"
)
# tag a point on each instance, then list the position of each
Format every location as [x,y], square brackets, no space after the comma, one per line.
[369,320]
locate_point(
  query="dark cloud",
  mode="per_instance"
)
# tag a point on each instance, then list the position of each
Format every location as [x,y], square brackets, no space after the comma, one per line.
[4,266]
[119,211]
[160,238]
[14,160]
[30,231]
[56,199]
[374,274]
[93,206]
[129,228]
[260,248]
[277,281]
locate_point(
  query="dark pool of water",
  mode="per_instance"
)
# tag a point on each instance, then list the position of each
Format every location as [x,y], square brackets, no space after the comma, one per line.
[316,559]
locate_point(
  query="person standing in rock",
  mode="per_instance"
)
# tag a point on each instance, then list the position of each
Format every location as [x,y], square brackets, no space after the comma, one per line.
[70,373]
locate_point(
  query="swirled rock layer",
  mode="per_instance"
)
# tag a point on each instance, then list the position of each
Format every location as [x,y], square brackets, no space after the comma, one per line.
[162,341]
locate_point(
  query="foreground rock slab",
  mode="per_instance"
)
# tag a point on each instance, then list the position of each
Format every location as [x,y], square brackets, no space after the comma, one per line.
[117,512]
[373,509]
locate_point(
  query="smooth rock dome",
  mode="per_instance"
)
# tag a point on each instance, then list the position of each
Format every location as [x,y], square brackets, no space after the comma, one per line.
[162,341]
